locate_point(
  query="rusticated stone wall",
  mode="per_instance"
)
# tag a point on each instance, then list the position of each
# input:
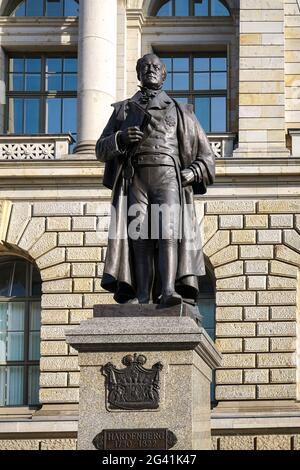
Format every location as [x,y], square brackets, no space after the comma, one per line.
[254,247]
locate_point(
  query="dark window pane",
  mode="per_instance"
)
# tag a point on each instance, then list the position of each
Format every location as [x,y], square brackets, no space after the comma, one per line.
[53,118]
[36,283]
[202,109]
[166,9]
[34,8]
[34,346]
[168,63]
[201,8]
[71,8]
[33,65]
[16,65]
[218,114]
[219,64]
[219,81]
[3,316]
[33,385]
[201,81]
[180,81]
[35,316]
[181,7]
[32,116]
[207,310]
[54,8]
[218,9]
[16,82]
[3,339]
[168,82]
[32,82]
[15,385]
[20,10]
[201,64]
[70,82]
[15,346]
[182,99]
[19,281]
[206,286]
[69,115]
[54,65]
[16,109]
[53,82]
[70,65]
[16,312]
[181,65]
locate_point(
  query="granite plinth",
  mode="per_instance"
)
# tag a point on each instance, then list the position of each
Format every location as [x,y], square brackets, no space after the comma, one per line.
[186,352]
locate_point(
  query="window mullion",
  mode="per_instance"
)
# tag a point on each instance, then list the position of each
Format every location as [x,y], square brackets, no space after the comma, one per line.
[26,350]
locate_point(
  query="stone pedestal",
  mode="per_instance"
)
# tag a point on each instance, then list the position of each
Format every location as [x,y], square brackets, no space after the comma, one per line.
[171,337]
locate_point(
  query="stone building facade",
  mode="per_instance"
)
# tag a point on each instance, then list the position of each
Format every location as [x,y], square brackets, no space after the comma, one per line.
[55,211]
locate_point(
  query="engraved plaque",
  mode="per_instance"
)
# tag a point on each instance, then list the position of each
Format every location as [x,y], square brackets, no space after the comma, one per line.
[135,387]
[135,439]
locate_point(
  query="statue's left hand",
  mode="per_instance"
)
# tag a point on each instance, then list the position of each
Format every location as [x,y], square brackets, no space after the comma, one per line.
[187,177]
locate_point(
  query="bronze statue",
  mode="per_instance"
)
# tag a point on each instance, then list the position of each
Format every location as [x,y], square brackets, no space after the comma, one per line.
[156,155]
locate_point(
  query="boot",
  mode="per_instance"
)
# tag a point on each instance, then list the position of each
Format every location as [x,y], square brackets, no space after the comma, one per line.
[168,261]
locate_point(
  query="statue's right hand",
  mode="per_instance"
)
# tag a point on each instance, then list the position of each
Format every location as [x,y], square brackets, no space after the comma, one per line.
[130,136]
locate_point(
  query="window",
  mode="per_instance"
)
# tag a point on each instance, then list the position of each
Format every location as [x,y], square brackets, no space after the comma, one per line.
[20,307]
[42,94]
[204,8]
[207,307]
[47,8]
[200,80]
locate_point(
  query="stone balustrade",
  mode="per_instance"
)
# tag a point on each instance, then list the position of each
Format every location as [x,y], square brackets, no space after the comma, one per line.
[34,147]
[53,147]
[222,144]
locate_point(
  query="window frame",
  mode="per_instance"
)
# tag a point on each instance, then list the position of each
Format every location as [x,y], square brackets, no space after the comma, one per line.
[192,94]
[160,4]
[28,300]
[12,11]
[42,94]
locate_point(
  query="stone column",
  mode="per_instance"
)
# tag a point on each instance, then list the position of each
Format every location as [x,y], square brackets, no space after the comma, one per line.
[97,75]
[262,80]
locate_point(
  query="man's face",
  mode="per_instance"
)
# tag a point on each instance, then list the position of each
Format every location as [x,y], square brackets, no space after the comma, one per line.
[151,73]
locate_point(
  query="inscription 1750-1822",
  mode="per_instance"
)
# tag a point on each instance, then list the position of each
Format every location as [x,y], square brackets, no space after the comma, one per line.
[135,439]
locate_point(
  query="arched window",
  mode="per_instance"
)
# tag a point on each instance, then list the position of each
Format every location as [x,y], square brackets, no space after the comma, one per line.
[207,308]
[20,307]
[204,8]
[47,8]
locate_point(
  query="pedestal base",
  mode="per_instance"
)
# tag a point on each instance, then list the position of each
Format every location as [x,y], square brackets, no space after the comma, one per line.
[179,400]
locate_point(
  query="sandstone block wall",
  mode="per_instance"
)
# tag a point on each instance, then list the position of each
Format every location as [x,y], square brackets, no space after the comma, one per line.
[254,249]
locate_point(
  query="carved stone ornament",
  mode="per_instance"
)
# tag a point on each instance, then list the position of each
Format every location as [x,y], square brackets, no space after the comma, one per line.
[132,388]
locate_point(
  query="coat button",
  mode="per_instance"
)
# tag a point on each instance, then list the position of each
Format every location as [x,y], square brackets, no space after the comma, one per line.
[156,146]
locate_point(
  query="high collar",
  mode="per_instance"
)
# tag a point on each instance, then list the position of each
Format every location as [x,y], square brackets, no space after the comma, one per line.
[161,101]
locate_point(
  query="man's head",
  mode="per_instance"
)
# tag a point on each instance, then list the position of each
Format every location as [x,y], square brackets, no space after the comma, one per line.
[151,71]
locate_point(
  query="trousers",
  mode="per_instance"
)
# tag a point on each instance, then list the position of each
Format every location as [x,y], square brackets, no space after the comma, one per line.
[154,225]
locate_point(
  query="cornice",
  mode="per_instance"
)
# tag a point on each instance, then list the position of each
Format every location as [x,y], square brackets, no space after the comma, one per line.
[188,21]
[36,21]
[230,170]
[135,18]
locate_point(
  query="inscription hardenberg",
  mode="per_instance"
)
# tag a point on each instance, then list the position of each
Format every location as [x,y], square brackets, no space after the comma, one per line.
[151,439]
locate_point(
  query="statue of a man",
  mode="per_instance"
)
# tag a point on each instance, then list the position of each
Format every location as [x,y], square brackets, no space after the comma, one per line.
[156,154]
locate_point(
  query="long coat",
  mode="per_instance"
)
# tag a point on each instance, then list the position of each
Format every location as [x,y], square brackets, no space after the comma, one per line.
[194,149]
